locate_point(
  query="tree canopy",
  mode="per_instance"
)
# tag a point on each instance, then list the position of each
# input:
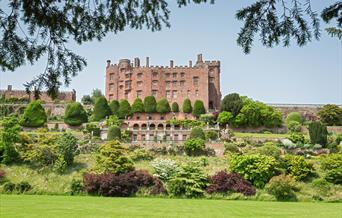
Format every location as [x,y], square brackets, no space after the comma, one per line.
[31,30]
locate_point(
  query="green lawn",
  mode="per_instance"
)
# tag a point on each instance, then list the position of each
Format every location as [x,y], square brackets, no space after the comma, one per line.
[260,135]
[84,206]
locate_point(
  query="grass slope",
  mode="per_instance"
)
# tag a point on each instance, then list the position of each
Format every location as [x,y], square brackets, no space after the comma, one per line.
[85,206]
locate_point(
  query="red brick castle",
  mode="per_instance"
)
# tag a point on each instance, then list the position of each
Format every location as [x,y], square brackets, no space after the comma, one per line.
[129,80]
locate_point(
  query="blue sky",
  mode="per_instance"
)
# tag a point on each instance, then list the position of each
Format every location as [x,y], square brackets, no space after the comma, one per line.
[310,74]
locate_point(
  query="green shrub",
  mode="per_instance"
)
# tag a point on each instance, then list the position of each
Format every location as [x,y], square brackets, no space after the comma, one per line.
[198,109]
[9,187]
[60,165]
[331,115]
[163,106]
[294,126]
[138,106]
[141,154]
[101,109]
[256,114]
[113,120]
[297,167]
[232,103]
[189,182]
[194,146]
[318,133]
[187,108]
[296,137]
[211,134]
[150,104]
[225,118]
[113,157]
[258,169]
[67,148]
[282,187]
[175,107]
[269,149]
[75,114]
[294,116]
[22,187]
[76,187]
[207,118]
[197,132]
[114,107]
[125,109]
[165,169]
[34,115]
[9,136]
[331,165]
[230,147]
[114,132]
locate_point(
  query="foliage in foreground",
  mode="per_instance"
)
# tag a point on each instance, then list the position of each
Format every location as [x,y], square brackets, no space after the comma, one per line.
[282,187]
[258,169]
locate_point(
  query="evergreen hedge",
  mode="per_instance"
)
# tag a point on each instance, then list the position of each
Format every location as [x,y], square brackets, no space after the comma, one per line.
[187,108]
[138,106]
[163,106]
[101,109]
[150,104]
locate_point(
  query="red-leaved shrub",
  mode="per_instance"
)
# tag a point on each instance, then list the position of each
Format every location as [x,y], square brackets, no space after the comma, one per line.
[223,182]
[121,185]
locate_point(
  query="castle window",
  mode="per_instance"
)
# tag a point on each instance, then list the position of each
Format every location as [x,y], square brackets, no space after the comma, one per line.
[174,75]
[126,95]
[139,92]
[155,82]
[139,75]
[139,83]
[196,92]
[168,94]
[174,83]
[168,84]
[128,75]
[167,75]
[211,79]
[182,74]
[182,83]
[111,97]
[111,87]
[195,80]
[188,93]
[111,76]
[174,93]
[128,84]
[155,74]
[154,93]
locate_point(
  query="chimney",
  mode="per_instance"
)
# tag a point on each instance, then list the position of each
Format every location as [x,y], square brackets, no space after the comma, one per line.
[190,63]
[199,58]
[108,63]
[136,62]
[9,88]
[171,63]
[147,62]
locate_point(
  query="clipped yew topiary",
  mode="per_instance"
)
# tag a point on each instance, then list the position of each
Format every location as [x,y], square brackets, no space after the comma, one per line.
[114,107]
[187,108]
[175,107]
[125,109]
[198,108]
[150,104]
[75,114]
[138,106]
[163,106]
[114,132]
[34,115]
[101,109]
